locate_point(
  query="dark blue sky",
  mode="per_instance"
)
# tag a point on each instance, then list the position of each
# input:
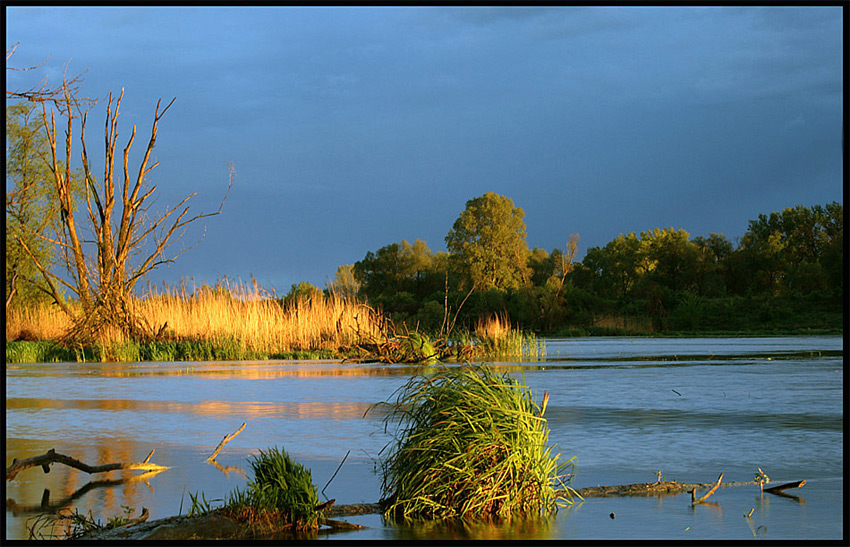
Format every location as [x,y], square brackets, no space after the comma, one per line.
[352,128]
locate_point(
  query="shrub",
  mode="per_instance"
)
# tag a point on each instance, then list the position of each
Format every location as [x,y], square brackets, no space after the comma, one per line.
[470,443]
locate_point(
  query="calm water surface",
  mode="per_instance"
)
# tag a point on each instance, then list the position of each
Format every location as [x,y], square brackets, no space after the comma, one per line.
[624,407]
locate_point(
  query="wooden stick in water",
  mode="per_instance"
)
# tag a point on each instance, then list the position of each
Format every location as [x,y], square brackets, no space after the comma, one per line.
[224,441]
[710,492]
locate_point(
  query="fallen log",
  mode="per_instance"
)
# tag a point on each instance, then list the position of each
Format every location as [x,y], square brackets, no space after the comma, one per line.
[660,488]
[780,487]
[54,457]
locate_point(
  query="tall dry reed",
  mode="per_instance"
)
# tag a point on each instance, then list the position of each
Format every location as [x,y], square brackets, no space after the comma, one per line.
[36,322]
[496,338]
[249,317]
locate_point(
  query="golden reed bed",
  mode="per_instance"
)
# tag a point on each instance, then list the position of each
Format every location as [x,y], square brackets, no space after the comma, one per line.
[256,321]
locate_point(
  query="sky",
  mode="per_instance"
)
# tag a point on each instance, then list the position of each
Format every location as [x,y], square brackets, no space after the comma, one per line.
[351,128]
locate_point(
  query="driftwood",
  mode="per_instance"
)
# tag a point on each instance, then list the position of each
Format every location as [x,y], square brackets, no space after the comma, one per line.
[53,457]
[695,501]
[224,441]
[659,488]
[780,487]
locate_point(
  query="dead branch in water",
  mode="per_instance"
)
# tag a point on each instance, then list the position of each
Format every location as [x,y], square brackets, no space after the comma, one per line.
[53,457]
[47,507]
[695,501]
[224,441]
[780,487]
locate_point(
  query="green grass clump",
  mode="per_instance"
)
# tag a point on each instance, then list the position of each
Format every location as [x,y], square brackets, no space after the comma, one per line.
[41,351]
[282,492]
[470,443]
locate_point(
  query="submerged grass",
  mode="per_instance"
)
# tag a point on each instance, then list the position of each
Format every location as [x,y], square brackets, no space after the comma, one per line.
[470,443]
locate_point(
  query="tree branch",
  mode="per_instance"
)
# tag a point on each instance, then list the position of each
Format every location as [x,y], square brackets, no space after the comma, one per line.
[51,456]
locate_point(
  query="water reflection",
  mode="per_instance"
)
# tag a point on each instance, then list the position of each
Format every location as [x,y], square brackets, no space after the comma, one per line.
[332,410]
[34,492]
[773,403]
[529,528]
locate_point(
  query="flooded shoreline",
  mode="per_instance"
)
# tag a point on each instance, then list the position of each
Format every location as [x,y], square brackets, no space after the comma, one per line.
[623,422]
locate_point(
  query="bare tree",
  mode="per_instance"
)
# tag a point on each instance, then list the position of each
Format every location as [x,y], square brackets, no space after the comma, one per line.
[565,264]
[126,241]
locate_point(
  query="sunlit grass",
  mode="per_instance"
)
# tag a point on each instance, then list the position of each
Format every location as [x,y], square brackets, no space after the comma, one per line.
[495,337]
[207,324]
[471,443]
[281,491]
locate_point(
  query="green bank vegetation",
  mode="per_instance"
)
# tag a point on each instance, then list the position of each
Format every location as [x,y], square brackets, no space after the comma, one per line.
[784,276]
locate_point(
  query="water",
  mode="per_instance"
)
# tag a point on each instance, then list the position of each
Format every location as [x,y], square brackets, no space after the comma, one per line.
[625,407]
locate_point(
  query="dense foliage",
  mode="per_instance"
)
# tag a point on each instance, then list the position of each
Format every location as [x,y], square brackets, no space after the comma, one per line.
[32,206]
[785,274]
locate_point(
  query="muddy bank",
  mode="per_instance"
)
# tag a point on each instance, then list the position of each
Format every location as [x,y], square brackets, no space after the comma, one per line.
[216,526]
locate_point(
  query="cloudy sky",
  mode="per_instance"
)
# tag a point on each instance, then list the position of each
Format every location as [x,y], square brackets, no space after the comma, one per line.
[353,128]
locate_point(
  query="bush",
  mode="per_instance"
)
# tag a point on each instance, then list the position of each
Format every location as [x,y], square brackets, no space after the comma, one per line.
[471,443]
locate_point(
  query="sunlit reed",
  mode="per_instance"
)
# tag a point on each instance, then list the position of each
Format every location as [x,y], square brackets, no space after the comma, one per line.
[247,317]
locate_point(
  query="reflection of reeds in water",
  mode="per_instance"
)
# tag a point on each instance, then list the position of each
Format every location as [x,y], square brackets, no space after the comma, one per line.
[624,323]
[237,316]
[496,338]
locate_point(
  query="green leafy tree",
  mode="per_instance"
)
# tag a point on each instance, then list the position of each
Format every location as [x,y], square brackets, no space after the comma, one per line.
[396,268]
[798,249]
[669,257]
[32,205]
[301,292]
[345,283]
[710,273]
[487,243]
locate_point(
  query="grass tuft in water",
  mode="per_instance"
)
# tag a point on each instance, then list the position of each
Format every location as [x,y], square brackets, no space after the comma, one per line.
[470,443]
[281,494]
[496,338]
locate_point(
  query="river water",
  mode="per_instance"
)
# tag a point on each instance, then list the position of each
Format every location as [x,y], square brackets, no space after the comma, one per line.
[624,407]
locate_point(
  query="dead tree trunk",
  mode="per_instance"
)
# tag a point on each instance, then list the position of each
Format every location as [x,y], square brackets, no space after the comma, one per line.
[126,241]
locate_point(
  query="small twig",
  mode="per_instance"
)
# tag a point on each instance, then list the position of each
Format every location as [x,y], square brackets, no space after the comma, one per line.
[337,471]
[710,492]
[224,441]
[141,518]
[676,392]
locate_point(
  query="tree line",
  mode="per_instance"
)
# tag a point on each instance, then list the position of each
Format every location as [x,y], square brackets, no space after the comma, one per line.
[786,272]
